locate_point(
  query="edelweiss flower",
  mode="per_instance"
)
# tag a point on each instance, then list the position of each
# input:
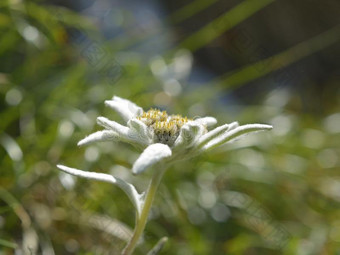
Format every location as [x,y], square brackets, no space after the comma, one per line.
[164,138]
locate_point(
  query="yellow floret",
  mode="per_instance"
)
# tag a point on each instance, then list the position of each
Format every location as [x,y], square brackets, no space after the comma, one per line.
[165,128]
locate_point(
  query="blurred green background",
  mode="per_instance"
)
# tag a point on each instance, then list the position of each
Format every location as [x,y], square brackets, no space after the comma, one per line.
[252,61]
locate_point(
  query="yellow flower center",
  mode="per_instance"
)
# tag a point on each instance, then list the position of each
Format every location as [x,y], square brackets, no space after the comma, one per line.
[165,127]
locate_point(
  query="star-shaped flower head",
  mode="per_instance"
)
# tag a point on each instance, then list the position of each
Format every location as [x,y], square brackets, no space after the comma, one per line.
[164,138]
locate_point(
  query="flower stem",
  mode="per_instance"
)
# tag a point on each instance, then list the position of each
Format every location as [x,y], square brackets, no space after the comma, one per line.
[142,219]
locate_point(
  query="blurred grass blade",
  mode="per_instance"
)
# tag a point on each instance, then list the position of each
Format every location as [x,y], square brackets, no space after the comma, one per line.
[176,17]
[237,78]
[16,207]
[8,244]
[158,247]
[283,59]
[30,238]
[12,147]
[223,23]
[189,10]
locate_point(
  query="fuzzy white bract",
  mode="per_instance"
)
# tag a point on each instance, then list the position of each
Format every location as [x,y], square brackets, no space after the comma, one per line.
[163,138]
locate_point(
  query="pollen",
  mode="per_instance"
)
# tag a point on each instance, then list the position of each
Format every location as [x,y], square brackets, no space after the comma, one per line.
[165,128]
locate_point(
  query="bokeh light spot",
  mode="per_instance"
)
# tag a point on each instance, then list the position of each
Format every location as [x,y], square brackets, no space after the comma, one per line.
[327,158]
[220,212]
[332,123]
[13,97]
[91,154]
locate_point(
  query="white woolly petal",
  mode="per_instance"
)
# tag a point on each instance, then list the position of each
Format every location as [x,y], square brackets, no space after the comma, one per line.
[206,121]
[233,125]
[236,133]
[99,136]
[153,154]
[212,134]
[125,134]
[141,129]
[112,125]
[189,134]
[129,189]
[125,108]
[204,139]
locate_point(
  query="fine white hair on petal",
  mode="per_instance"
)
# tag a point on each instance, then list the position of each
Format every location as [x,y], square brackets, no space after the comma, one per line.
[153,154]
[88,175]
[219,131]
[129,189]
[99,136]
[112,125]
[125,108]
[134,108]
[207,121]
[236,133]
[189,134]
[204,139]
[141,129]
[124,133]
[233,125]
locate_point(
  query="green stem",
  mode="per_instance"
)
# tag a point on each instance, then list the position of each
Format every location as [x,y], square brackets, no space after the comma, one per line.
[142,219]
